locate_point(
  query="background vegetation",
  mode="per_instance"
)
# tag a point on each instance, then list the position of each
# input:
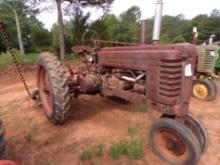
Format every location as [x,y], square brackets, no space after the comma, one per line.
[124,28]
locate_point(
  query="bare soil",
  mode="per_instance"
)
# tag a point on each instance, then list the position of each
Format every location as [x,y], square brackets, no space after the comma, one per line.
[33,140]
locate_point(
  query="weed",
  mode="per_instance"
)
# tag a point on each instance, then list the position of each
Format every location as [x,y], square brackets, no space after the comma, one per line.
[132,130]
[118,149]
[99,150]
[86,154]
[135,149]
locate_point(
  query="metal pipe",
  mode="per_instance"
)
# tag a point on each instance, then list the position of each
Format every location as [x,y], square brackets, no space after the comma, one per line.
[133,79]
[211,39]
[157,21]
[143,32]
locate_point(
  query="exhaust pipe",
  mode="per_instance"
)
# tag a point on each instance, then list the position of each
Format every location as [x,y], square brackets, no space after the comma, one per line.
[157,21]
[143,32]
[211,39]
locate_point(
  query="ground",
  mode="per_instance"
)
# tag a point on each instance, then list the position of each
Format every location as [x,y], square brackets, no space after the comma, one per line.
[33,140]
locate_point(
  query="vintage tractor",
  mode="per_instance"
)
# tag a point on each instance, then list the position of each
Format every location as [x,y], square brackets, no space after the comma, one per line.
[160,77]
[217,63]
[204,87]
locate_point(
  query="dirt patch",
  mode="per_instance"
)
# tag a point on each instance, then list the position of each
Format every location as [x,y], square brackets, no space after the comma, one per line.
[11,70]
[32,140]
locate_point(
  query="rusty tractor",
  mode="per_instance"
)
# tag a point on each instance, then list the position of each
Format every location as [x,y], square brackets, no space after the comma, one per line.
[159,76]
[204,87]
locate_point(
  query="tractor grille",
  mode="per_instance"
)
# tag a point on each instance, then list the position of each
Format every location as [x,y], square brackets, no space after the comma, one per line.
[206,61]
[170,78]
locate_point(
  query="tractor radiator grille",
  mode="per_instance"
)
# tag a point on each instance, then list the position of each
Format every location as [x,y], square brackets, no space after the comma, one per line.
[206,62]
[170,78]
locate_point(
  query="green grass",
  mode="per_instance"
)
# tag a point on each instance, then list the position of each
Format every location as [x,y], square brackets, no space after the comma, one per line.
[99,150]
[86,154]
[90,152]
[118,149]
[132,130]
[6,59]
[133,149]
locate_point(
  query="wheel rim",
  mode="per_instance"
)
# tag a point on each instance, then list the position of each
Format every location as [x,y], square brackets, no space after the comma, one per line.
[200,91]
[170,145]
[45,91]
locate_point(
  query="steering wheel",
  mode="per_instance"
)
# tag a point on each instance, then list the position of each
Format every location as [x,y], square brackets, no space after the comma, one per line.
[88,38]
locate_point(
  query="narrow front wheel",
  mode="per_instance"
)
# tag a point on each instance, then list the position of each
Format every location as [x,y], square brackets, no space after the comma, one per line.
[174,142]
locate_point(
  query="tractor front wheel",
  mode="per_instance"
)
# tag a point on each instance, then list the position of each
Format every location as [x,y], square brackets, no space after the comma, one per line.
[174,142]
[53,88]
[198,129]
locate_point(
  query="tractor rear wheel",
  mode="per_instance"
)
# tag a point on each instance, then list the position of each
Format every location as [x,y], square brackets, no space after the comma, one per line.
[53,88]
[174,142]
[204,89]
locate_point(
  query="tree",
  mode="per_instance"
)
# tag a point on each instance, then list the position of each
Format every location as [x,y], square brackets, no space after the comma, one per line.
[78,25]
[179,39]
[19,8]
[164,39]
[128,28]
[80,3]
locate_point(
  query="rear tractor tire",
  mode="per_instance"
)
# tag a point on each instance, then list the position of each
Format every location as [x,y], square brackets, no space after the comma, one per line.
[204,89]
[53,88]
[174,142]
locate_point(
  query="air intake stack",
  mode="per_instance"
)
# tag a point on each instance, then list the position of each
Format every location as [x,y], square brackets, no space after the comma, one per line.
[157,21]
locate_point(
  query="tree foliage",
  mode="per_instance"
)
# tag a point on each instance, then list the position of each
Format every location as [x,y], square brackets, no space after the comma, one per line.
[123,28]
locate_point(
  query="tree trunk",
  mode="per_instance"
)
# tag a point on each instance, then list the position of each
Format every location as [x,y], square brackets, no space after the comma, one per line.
[61,30]
[21,45]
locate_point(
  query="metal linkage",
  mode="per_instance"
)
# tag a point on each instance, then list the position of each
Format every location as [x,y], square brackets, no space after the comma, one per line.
[11,51]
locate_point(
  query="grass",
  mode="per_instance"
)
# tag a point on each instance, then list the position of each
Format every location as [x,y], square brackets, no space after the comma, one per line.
[132,130]
[133,149]
[6,59]
[86,154]
[90,152]
[118,149]
[99,150]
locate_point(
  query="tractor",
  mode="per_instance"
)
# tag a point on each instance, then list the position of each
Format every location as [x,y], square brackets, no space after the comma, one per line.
[204,87]
[217,63]
[158,76]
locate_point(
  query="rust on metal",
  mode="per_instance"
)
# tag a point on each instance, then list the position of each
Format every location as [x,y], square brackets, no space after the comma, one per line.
[156,75]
